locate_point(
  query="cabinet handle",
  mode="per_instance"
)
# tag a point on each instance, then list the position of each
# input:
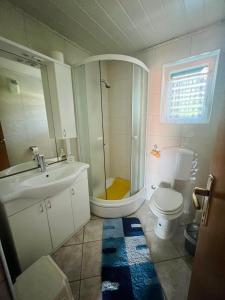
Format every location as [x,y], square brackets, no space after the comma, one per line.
[64,132]
[49,205]
[41,208]
[73,192]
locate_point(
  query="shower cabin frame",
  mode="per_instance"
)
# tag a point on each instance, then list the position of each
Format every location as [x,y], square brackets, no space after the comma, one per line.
[128,205]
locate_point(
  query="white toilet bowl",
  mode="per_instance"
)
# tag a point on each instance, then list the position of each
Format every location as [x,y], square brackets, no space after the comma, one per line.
[167,205]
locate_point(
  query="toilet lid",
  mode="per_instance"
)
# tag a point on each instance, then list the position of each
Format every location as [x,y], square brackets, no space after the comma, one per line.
[167,200]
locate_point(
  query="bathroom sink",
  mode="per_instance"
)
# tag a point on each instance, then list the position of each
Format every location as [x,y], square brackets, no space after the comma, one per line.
[38,185]
[24,166]
[51,177]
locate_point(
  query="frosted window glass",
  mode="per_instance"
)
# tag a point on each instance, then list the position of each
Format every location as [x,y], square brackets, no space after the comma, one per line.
[187,94]
[188,89]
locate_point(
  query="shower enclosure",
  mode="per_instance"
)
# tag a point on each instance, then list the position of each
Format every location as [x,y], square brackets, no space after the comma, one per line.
[111,100]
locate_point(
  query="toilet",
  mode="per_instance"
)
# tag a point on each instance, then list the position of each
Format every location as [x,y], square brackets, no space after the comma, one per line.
[166,203]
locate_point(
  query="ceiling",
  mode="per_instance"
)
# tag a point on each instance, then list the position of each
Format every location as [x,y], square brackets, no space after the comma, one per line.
[123,26]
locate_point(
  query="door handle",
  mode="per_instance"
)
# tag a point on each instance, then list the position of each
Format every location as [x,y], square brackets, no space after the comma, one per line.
[199,192]
[2,141]
[206,193]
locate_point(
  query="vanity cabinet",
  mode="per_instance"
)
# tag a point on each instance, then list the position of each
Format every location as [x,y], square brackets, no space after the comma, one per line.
[31,234]
[81,208]
[60,217]
[44,226]
[59,93]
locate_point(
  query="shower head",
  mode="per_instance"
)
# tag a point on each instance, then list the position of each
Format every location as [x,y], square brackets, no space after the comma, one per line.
[105,83]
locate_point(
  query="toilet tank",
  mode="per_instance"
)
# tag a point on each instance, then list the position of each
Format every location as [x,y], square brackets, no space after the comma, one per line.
[175,163]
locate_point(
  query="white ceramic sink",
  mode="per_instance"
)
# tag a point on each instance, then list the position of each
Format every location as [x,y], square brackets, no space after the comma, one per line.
[38,185]
[50,177]
[24,166]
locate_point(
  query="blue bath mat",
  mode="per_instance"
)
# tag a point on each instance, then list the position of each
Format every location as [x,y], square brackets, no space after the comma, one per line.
[127,272]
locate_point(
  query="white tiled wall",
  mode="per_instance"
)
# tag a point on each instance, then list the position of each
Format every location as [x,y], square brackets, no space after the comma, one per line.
[29,32]
[201,138]
[120,79]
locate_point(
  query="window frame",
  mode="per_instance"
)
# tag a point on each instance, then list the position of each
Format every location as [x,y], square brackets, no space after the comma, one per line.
[209,59]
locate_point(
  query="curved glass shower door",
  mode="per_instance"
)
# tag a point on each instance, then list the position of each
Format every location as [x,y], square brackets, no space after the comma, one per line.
[139,109]
[89,122]
[111,99]
[116,86]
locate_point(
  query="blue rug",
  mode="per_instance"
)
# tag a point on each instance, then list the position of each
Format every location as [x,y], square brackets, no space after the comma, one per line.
[127,272]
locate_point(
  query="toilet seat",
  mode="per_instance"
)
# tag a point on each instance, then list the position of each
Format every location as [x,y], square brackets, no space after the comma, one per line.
[168,213]
[167,200]
[167,203]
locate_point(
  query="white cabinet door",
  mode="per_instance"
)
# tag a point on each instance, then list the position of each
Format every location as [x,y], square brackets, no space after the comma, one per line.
[60,216]
[31,234]
[65,99]
[59,100]
[80,202]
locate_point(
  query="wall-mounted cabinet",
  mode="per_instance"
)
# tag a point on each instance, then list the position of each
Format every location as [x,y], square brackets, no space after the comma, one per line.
[58,92]
[41,228]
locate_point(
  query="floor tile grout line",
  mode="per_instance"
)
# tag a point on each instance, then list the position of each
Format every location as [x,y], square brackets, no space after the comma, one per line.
[85,242]
[163,291]
[169,259]
[89,277]
[81,269]
[72,281]
[64,246]
[83,234]
[79,291]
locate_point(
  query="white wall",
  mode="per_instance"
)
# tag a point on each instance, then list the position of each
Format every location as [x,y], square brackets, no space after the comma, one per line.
[17,26]
[201,138]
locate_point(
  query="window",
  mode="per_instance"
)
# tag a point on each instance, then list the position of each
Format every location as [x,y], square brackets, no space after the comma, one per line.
[188,88]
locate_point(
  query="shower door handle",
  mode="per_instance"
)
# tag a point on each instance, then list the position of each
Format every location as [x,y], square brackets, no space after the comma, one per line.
[135,137]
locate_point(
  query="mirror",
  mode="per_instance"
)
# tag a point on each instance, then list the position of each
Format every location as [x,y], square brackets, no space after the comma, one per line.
[23,118]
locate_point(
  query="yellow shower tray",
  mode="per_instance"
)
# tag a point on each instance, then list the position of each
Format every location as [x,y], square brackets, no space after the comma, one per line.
[117,190]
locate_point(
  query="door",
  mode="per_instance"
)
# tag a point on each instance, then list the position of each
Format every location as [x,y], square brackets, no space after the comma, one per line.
[90,124]
[208,276]
[80,203]
[31,234]
[4,160]
[139,108]
[60,217]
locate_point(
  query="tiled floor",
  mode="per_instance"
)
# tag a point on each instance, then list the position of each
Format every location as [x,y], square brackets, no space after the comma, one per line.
[80,259]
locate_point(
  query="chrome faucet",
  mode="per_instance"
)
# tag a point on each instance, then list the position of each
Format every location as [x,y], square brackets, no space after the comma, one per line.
[41,162]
